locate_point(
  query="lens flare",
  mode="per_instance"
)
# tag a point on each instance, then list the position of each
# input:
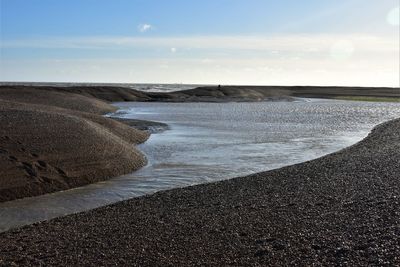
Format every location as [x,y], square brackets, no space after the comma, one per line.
[393,17]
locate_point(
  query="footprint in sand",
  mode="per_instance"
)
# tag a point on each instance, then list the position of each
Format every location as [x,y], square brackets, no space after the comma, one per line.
[12,158]
[5,137]
[29,169]
[34,155]
[41,165]
[60,171]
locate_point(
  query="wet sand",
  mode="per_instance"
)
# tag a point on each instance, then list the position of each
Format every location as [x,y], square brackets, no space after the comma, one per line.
[149,126]
[341,209]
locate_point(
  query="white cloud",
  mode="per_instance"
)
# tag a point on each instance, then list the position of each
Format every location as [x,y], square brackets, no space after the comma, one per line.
[342,49]
[207,61]
[144,27]
[281,44]
[281,59]
[372,72]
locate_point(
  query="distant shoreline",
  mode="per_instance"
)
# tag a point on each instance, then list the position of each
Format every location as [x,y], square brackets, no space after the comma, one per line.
[226,93]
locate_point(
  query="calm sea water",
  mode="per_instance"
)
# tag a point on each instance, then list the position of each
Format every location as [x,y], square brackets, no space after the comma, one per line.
[210,141]
[147,87]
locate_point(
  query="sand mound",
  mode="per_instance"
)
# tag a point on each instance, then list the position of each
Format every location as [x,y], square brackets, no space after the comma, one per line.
[45,148]
[58,98]
[106,93]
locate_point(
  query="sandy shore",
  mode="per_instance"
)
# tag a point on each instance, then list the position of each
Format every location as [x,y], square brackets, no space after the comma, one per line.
[52,140]
[341,209]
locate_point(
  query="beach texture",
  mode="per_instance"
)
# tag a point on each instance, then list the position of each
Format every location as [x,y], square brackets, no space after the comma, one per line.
[52,140]
[341,209]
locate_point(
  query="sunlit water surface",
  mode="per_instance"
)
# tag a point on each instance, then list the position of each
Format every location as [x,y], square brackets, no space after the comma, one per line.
[208,142]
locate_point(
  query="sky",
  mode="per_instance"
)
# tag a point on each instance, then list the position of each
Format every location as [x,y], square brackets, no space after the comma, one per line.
[254,42]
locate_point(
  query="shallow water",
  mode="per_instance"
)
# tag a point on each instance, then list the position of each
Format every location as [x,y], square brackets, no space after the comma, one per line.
[213,141]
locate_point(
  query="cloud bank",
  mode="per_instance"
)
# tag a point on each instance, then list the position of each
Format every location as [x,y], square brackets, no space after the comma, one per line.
[313,59]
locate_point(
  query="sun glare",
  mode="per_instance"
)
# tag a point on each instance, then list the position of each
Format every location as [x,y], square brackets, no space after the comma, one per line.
[393,17]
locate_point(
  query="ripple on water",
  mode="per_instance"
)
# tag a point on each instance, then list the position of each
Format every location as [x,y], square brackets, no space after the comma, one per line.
[213,141]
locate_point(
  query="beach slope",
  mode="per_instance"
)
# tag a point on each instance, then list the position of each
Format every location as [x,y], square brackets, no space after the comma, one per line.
[341,209]
[51,141]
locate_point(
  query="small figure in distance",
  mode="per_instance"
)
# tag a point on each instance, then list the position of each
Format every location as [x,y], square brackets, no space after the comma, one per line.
[219,86]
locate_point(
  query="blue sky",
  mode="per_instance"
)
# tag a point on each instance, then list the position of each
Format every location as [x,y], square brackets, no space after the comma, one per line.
[321,42]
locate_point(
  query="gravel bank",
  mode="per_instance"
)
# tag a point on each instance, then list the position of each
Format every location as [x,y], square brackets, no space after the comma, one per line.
[341,209]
